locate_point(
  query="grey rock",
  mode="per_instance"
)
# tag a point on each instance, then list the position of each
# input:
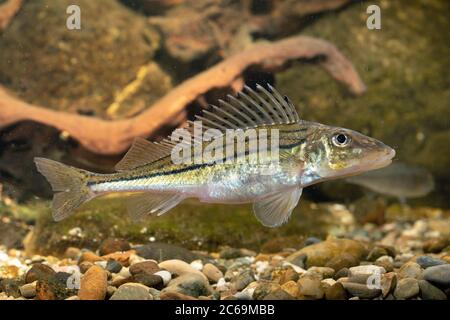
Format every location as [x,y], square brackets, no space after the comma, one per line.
[113,266]
[430,292]
[427,261]
[191,284]
[361,291]
[439,275]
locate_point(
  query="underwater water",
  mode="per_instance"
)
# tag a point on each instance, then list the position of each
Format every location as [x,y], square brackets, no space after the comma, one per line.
[81,80]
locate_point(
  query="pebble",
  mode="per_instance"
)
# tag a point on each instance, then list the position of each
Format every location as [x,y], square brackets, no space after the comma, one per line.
[262,289]
[439,275]
[212,272]
[11,287]
[336,292]
[427,261]
[72,253]
[113,266]
[341,273]
[112,245]
[191,284]
[311,240]
[388,282]
[310,287]
[89,257]
[279,294]
[291,287]
[325,272]
[149,280]
[123,257]
[197,265]
[170,295]
[84,266]
[132,291]
[344,260]
[148,266]
[406,288]
[361,291]
[410,270]
[155,293]
[288,274]
[179,267]
[387,262]
[164,251]
[28,290]
[376,253]
[435,245]
[321,253]
[39,271]
[430,292]
[93,284]
[361,274]
[55,287]
[165,276]
[328,282]
[242,279]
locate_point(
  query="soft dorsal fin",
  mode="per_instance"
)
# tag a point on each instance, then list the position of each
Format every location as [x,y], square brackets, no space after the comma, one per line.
[141,153]
[276,209]
[250,109]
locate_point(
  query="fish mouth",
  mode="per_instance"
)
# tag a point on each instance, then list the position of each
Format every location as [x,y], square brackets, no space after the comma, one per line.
[378,162]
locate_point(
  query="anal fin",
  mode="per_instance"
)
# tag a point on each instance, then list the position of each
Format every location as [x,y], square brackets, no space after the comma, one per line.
[276,209]
[147,203]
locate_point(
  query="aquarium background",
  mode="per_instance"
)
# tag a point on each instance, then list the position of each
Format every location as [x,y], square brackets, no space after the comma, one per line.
[129,54]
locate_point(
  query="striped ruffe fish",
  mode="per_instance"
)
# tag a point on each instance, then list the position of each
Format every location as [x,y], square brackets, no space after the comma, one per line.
[304,153]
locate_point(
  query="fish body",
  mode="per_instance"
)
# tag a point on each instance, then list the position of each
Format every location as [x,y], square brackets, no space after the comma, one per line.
[295,154]
[398,180]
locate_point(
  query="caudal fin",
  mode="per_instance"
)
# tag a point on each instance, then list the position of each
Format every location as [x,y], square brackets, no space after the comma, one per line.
[68,183]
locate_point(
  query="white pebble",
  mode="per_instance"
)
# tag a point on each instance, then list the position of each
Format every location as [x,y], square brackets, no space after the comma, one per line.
[222,285]
[124,272]
[261,266]
[165,275]
[197,265]
[295,267]
[101,264]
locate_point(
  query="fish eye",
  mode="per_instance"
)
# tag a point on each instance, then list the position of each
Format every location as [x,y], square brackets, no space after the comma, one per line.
[340,139]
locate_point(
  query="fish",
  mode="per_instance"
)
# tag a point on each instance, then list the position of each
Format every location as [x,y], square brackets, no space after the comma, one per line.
[304,153]
[399,180]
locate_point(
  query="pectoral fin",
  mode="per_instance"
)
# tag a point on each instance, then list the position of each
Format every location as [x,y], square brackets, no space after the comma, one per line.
[275,210]
[148,203]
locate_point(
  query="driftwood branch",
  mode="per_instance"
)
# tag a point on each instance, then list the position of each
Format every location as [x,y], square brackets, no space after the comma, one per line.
[7,12]
[114,137]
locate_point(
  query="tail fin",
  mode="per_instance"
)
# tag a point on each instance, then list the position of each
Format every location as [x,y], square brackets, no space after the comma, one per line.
[69,185]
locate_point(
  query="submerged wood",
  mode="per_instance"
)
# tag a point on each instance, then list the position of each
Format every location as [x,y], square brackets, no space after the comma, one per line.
[114,137]
[7,12]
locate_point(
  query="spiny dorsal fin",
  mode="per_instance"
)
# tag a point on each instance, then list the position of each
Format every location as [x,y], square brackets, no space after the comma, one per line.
[276,209]
[250,109]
